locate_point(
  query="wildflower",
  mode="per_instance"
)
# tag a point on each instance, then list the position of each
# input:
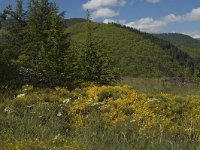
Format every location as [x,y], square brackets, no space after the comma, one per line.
[67,130]
[30,106]
[20,95]
[25,90]
[132,121]
[56,137]
[98,103]
[8,110]
[66,101]
[59,114]
[153,100]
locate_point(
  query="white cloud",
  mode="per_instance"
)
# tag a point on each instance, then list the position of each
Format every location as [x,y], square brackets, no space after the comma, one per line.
[172,18]
[153,25]
[96,4]
[102,8]
[153,1]
[147,24]
[194,34]
[194,15]
[109,21]
[104,13]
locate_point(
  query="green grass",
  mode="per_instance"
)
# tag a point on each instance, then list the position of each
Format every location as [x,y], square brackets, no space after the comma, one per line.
[193,52]
[157,85]
[127,137]
[34,122]
[49,131]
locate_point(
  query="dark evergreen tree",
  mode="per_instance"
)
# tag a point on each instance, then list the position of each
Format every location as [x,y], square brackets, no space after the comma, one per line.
[12,24]
[46,44]
[98,64]
[75,67]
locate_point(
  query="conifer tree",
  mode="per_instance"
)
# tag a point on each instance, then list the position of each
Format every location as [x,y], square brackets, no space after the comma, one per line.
[75,65]
[12,24]
[99,66]
[46,43]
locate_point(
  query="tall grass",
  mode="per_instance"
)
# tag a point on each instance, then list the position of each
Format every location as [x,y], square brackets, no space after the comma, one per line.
[51,132]
[157,85]
[126,136]
[40,120]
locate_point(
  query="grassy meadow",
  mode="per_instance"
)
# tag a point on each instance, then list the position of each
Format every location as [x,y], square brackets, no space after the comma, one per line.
[60,86]
[145,115]
[164,85]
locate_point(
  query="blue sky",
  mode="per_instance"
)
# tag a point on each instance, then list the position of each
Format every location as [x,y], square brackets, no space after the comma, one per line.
[155,16]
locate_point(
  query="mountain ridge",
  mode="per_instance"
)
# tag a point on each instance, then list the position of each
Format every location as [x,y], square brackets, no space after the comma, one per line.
[180,39]
[135,53]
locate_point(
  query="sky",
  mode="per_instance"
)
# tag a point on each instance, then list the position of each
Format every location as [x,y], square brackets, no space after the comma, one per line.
[154,16]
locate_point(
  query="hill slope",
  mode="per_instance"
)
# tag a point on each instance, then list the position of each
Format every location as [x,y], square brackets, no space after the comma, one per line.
[186,43]
[135,53]
[180,39]
[73,21]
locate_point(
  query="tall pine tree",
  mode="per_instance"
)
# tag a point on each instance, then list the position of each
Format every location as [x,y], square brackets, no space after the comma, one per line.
[99,66]
[46,44]
[11,38]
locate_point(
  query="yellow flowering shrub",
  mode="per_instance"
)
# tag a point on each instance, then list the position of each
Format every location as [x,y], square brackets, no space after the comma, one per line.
[59,119]
[117,104]
[180,110]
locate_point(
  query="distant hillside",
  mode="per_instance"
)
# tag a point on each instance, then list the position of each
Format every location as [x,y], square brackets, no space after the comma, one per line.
[186,43]
[180,39]
[137,53]
[73,21]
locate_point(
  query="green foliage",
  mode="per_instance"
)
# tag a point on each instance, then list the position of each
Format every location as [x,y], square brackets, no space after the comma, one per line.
[176,54]
[41,119]
[136,53]
[187,44]
[12,23]
[180,40]
[73,21]
[46,44]
[193,52]
[189,87]
[36,49]
[99,67]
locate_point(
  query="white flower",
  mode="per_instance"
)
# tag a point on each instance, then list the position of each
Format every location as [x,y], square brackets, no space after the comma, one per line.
[98,103]
[56,137]
[30,106]
[25,90]
[59,114]
[153,100]
[66,101]
[67,130]
[20,95]
[132,121]
[8,110]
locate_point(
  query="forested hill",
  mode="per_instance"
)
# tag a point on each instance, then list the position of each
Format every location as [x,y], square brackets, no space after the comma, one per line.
[180,39]
[73,21]
[44,49]
[136,53]
[186,43]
